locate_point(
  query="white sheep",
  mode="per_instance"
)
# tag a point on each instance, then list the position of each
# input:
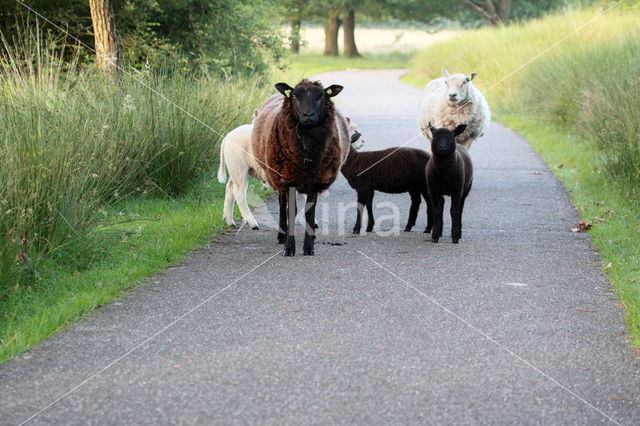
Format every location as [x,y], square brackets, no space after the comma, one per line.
[453,100]
[236,153]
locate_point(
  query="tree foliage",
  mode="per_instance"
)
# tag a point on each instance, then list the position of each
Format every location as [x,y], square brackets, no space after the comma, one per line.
[229,36]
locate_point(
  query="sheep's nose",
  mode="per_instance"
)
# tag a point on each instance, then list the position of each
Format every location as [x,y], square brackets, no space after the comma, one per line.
[453,97]
[309,114]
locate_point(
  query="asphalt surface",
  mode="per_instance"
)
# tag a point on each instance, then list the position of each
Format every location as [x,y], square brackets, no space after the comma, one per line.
[516,324]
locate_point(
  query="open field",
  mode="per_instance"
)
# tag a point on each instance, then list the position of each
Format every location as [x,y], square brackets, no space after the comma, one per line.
[377,40]
[577,104]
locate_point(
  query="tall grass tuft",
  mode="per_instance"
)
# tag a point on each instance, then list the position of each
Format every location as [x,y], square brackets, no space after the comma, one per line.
[587,82]
[73,140]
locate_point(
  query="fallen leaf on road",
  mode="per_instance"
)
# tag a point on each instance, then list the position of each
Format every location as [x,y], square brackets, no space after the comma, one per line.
[610,212]
[585,310]
[583,225]
[619,398]
[560,166]
[598,219]
[536,173]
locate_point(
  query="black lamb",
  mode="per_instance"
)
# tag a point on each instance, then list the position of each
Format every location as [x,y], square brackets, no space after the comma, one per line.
[392,170]
[449,172]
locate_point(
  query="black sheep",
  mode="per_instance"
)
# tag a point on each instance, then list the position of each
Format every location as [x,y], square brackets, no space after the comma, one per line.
[449,172]
[394,171]
[302,140]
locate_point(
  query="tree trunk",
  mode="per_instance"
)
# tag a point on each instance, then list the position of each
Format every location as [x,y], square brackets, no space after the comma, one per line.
[294,38]
[504,11]
[331,27]
[349,27]
[491,12]
[495,15]
[108,53]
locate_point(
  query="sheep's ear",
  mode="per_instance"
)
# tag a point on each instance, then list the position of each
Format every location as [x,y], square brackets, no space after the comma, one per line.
[285,89]
[472,76]
[460,129]
[348,120]
[333,90]
[445,72]
[430,127]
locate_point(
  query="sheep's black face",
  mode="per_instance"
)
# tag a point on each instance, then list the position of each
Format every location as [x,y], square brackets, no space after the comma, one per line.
[444,140]
[309,101]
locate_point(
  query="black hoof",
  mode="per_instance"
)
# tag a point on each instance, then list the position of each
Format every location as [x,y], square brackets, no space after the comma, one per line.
[290,247]
[435,239]
[308,251]
[428,230]
[315,226]
[356,231]
[370,229]
[454,240]
[407,229]
[255,228]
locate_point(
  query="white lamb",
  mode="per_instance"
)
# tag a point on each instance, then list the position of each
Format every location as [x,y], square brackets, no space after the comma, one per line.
[236,153]
[453,100]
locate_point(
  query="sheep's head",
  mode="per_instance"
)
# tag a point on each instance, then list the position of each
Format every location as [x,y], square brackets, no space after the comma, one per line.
[309,100]
[444,140]
[458,86]
[357,142]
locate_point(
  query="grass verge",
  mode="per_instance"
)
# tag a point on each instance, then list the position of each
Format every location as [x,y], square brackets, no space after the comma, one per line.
[614,217]
[136,238]
[81,152]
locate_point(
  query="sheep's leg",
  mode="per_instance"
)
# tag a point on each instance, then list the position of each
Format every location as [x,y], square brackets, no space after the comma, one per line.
[227,214]
[370,219]
[464,198]
[240,192]
[456,224]
[282,231]
[437,204]
[290,245]
[362,201]
[310,228]
[425,195]
[413,211]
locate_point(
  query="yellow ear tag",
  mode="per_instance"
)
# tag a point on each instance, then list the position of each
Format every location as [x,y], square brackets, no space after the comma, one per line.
[288,92]
[329,91]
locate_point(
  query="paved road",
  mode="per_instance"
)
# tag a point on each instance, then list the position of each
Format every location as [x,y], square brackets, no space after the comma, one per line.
[384,328]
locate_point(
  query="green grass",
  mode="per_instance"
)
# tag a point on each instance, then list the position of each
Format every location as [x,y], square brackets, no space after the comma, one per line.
[134,239]
[73,140]
[578,105]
